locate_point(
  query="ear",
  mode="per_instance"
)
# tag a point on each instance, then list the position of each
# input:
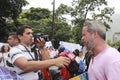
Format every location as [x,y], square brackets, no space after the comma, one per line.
[19,36]
[96,34]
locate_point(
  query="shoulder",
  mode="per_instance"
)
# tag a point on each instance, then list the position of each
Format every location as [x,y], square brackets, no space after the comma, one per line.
[17,48]
[112,52]
[110,55]
[16,52]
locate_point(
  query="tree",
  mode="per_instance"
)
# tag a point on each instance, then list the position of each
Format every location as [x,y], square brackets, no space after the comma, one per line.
[9,11]
[63,10]
[37,13]
[81,9]
[79,12]
[41,21]
[38,18]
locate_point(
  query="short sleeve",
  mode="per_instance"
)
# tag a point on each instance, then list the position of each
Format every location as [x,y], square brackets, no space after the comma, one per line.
[15,53]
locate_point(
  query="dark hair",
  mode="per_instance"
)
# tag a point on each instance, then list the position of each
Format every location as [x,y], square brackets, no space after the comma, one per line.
[61,49]
[56,44]
[14,35]
[76,52]
[2,48]
[21,30]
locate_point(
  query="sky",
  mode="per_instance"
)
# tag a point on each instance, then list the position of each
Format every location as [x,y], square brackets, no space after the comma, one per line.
[48,4]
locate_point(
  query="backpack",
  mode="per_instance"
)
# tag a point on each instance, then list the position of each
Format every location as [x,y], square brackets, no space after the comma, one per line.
[6,74]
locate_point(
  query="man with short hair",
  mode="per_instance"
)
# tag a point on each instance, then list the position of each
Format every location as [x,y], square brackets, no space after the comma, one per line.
[24,60]
[105,62]
[13,39]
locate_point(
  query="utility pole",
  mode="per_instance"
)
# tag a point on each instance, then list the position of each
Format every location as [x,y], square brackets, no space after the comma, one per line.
[53,22]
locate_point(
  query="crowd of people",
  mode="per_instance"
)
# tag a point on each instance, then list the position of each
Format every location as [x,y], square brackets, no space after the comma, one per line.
[28,57]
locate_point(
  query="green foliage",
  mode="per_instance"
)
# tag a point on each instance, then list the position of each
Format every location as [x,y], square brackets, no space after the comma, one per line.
[9,11]
[11,8]
[116,44]
[43,23]
[104,16]
[76,31]
[109,42]
[38,18]
[41,19]
[81,9]
[62,31]
[37,13]
[63,9]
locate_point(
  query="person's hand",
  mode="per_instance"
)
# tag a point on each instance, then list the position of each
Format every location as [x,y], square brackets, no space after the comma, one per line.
[62,61]
[41,43]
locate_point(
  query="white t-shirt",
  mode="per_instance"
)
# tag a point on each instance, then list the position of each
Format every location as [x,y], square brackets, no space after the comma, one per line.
[105,66]
[19,51]
[5,58]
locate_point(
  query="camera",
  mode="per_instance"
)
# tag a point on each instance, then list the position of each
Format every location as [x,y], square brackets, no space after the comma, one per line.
[38,35]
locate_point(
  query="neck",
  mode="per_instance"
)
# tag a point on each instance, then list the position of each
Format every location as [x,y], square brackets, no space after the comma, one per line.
[99,48]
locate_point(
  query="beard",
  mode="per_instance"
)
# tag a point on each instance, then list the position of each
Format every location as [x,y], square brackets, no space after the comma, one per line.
[90,44]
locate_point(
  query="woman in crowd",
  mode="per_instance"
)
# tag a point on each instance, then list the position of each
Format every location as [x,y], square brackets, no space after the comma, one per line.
[4,54]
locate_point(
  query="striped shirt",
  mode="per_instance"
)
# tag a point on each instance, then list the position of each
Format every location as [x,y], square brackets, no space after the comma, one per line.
[20,51]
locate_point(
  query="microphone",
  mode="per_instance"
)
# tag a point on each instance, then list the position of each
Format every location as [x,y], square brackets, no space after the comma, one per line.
[67,53]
